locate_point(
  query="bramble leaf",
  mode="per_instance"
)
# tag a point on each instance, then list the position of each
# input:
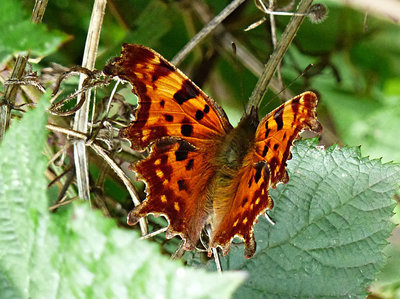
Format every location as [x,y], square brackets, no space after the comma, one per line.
[332,222]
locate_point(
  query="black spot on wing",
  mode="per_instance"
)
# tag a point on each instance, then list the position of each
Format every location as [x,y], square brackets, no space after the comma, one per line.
[245,200]
[161,70]
[189,165]
[206,109]
[168,117]
[186,130]
[278,117]
[250,181]
[295,106]
[267,130]
[276,145]
[188,91]
[259,166]
[182,185]
[265,151]
[162,103]
[199,115]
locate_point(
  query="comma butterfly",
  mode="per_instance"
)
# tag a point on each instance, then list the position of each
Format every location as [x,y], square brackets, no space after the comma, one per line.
[200,169]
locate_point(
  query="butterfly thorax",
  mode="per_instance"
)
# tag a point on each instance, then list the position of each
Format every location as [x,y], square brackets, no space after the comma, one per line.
[236,145]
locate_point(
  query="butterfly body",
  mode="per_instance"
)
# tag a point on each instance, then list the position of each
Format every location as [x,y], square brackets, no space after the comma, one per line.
[200,169]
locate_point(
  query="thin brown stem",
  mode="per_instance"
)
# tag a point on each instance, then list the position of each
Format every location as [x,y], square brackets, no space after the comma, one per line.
[206,31]
[10,91]
[276,57]
[128,184]
[38,11]
[114,166]
[225,40]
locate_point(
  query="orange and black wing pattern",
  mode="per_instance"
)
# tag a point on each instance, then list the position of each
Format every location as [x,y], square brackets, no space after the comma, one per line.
[169,104]
[183,128]
[263,167]
[277,131]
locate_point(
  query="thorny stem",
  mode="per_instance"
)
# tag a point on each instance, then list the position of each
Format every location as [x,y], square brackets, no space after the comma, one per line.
[114,166]
[276,57]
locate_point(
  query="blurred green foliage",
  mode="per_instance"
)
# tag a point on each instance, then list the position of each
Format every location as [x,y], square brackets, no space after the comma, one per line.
[77,253]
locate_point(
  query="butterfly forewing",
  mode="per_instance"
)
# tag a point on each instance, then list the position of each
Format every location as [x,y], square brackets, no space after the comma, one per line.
[277,131]
[169,103]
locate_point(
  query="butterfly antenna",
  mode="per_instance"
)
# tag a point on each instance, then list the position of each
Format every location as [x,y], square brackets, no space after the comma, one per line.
[238,69]
[290,84]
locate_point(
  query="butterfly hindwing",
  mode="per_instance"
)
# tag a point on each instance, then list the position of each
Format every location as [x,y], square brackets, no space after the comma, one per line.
[174,173]
[248,198]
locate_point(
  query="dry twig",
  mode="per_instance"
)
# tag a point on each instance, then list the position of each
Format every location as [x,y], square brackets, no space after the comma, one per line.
[226,39]
[206,30]
[81,117]
[10,91]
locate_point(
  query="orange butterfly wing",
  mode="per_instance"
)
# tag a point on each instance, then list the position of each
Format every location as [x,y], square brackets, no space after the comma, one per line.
[184,127]
[263,166]
[190,138]
[169,103]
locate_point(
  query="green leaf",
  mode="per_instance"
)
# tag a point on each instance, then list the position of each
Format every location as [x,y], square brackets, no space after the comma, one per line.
[332,222]
[22,221]
[77,253]
[17,33]
[94,252]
